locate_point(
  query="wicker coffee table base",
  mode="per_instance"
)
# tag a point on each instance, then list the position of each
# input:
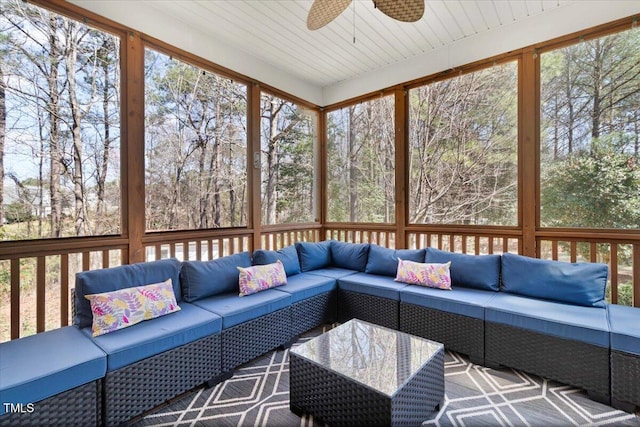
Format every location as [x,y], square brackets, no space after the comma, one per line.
[340,401]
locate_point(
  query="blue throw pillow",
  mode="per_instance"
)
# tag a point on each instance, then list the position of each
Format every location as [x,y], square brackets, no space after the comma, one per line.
[202,279]
[314,255]
[124,276]
[288,256]
[384,261]
[574,283]
[470,271]
[352,256]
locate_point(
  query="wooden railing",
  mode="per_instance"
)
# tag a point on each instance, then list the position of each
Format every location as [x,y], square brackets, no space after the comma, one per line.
[36,276]
[274,237]
[379,234]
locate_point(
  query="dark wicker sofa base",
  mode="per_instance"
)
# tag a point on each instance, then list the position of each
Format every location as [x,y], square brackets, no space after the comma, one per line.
[462,334]
[571,362]
[136,388]
[625,387]
[248,340]
[80,406]
[312,312]
[370,308]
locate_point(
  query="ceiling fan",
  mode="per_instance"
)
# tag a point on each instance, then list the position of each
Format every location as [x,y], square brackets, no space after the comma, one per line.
[324,11]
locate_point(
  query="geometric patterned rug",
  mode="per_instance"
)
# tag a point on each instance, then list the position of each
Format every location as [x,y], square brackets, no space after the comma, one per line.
[258,395]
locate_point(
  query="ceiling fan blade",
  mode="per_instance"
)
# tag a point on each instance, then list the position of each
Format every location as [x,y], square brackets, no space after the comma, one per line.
[406,11]
[324,11]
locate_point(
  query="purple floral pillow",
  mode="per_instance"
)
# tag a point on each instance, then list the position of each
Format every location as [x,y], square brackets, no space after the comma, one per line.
[125,307]
[261,277]
[430,275]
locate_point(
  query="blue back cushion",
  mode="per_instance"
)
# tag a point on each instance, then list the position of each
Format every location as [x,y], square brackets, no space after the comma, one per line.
[124,276]
[288,256]
[313,256]
[202,279]
[384,261]
[470,271]
[352,256]
[574,283]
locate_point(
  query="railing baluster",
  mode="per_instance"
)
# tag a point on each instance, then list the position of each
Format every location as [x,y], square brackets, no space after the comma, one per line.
[613,268]
[40,293]
[64,289]
[86,261]
[15,298]
[574,251]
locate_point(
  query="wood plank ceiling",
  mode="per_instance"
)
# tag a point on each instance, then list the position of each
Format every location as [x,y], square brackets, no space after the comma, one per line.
[275,31]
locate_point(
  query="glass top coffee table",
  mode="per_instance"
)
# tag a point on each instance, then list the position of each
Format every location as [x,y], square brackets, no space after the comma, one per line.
[364,374]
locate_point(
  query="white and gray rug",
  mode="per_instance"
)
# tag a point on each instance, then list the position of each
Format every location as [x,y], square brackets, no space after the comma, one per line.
[258,395]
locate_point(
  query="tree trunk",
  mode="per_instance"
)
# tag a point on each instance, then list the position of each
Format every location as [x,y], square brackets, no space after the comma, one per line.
[351,165]
[55,154]
[597,71]
[272,163]
[76,119]
[3,126]
[103,169]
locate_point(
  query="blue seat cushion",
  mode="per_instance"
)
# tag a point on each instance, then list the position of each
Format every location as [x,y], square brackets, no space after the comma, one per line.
[151,337]
[288,256]
[463,301]
[371,284]
[625,328]
[471,271]
[235,309]
[40,366]
[384,261]
[573,322]
[305,285]
[125,276]
[350,256]
[314,255]
[574,283]
[332,272]
[201,279]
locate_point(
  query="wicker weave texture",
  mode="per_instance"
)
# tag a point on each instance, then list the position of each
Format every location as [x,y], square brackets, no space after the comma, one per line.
[571,362]
[370,308]
[312,312]
[133,389]
[80,406]
[421,396]
[625,377]
[334,399]
[339,401]
[459,333]
[249,340]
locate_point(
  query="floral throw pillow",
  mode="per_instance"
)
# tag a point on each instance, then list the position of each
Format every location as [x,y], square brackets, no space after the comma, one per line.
[260,277]
[430,275]
[125,307]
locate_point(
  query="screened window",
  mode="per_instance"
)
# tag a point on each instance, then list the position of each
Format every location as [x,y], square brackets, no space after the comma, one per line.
[195,147]
[361,163]
[59,126]
[590,134]
[463,149]
[288,135]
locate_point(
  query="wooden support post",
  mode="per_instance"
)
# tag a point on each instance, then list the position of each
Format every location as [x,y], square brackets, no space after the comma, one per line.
[133,206]
[401,165]
[254,164]
[321,174]
[528,149]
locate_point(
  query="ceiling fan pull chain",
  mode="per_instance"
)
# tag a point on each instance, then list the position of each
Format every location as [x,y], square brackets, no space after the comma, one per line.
[354,22]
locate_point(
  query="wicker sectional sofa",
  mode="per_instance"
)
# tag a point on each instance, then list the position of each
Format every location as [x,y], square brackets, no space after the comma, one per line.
[544,317]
